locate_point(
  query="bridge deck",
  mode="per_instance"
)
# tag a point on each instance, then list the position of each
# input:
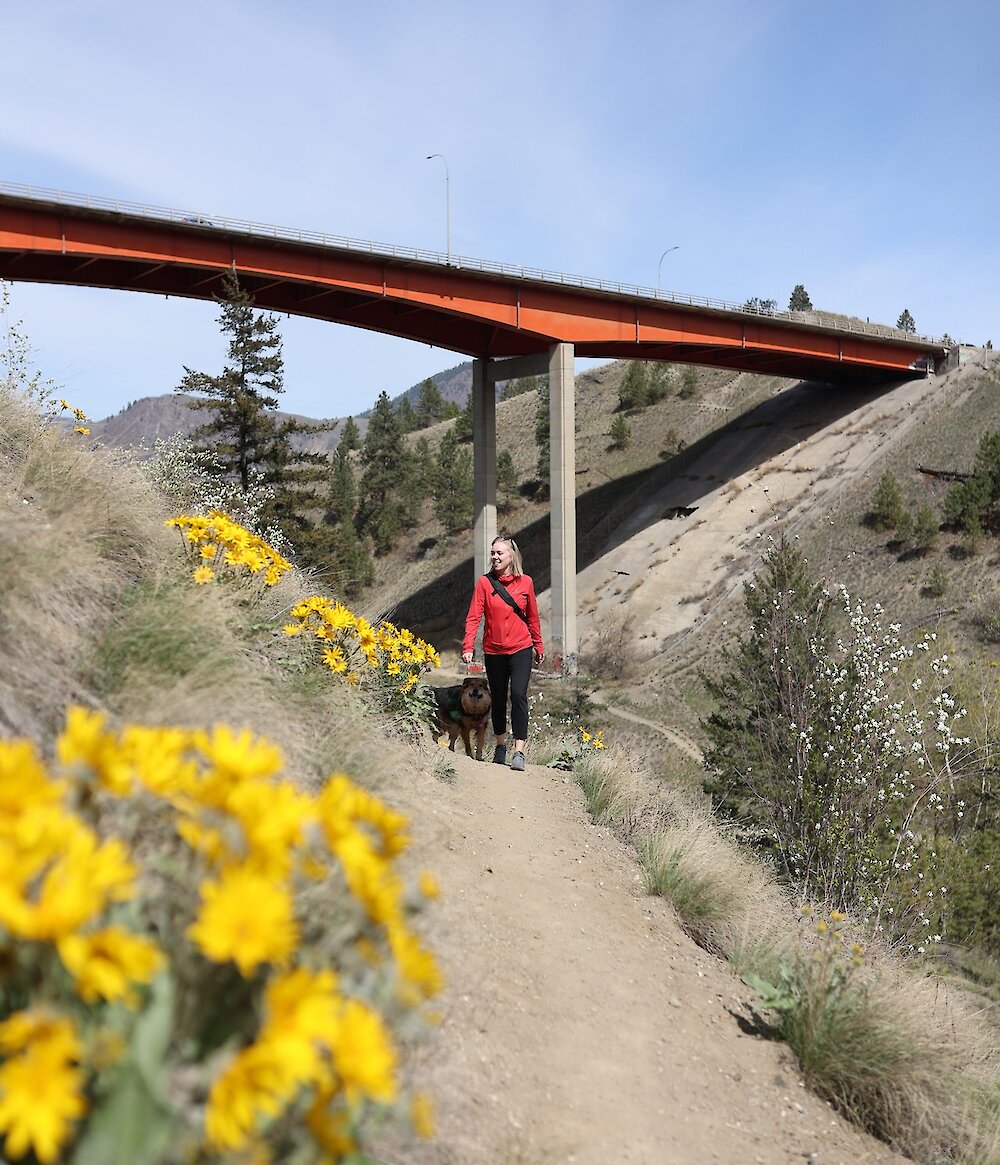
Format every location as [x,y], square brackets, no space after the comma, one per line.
[463,305]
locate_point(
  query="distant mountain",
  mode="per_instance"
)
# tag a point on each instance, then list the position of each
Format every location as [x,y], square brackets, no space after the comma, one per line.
[154,418]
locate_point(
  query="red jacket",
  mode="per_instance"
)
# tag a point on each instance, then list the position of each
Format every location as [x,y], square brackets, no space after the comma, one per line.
[505,631]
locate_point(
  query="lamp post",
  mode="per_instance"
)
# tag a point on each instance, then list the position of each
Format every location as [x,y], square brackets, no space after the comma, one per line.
[660,264]
[447,202]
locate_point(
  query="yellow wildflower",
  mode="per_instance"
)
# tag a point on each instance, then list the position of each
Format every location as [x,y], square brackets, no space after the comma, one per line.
[364,1056]
[246,918]
[331,1130]
[429,886]
[203,574]
[105,964]
[335,660]
[41,1095]
[254,1084]
[422,1116]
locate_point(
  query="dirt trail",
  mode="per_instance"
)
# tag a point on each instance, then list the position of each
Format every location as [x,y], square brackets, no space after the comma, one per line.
[580,1025]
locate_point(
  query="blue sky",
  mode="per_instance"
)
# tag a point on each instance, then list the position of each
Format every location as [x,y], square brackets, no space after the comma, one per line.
[851,147]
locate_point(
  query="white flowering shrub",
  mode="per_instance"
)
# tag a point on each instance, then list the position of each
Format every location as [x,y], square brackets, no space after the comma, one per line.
[840,746]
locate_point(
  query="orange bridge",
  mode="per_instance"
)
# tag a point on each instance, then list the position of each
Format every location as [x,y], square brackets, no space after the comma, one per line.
[511,320]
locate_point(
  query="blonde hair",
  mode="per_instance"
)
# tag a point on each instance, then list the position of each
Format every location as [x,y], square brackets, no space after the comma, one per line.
[516,565]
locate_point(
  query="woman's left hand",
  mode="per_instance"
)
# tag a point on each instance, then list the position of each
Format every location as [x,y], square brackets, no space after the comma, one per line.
[539,657]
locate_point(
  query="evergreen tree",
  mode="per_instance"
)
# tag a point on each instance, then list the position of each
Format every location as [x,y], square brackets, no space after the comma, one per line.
[453,485]
[543,438]
[799,299]
[244,395]
[689,383]
[381,512]
[974,504]
[430,404]
[463,422]
[407,417]
[660,376]
[353,568]
[243,435]
[506,481]
[887,509]
[341,495]
[350,438]
[423,468]
[906,322]
[519,386]
[633,392]
[925,530]
[621,434]
[764,687]
[762,307]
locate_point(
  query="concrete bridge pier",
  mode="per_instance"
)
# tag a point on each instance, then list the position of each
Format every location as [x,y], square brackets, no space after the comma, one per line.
[486,374]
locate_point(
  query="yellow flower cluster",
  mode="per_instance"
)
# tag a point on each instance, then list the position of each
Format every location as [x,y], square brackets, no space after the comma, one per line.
[352,647]
[220,545]
[255,846]
[591,740]
[81,416]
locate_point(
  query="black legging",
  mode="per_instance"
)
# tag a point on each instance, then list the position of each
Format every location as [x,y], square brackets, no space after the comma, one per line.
[513,670]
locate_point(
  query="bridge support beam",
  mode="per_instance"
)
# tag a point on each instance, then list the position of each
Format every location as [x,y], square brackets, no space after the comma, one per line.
[484,463]
[562,477]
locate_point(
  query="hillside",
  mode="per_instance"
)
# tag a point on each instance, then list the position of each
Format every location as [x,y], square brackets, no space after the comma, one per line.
[579,1023]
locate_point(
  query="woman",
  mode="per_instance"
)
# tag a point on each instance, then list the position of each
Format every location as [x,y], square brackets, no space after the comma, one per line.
[511,637]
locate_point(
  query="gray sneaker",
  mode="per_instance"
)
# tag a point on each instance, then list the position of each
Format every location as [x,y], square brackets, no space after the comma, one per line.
[500,754]
[517,762]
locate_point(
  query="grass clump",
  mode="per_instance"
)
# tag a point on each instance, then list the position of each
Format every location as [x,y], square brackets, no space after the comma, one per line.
[868,1057]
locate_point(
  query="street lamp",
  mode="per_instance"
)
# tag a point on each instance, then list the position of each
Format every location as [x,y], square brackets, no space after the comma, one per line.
[447,201]
[660,264]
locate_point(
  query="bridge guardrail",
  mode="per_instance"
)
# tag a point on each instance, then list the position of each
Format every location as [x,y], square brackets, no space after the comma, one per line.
[489,266]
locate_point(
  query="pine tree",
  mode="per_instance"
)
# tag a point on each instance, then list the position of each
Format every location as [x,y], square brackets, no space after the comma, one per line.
[660,376]
[633,392]
[506,481]
[689,383]
[453,485]
[243,434]
[245,394]
[519,386]
[430,404]
[341,495]
[925,530]
[423,467]
[407,417]
[799,299]
[543,438]
[463,426]
[887,507]
[764,687]
[383,457]
[621,434]
[906,322]
[974,504]
[350,438]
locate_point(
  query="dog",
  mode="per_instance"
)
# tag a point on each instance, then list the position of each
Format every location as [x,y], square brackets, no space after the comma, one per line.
[463,709]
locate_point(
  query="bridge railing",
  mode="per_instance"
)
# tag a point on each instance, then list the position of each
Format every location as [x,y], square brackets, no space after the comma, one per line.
[462,262]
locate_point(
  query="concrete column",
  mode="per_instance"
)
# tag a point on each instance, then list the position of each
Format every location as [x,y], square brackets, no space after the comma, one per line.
[484,464]
[562,445]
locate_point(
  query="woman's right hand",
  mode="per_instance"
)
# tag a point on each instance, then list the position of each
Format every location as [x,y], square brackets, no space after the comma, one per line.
[466,657]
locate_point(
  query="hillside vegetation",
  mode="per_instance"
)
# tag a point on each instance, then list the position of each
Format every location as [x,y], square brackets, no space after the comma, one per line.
[103,612]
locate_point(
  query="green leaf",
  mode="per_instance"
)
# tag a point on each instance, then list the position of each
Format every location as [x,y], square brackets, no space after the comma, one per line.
[128,1126]
[151,1034]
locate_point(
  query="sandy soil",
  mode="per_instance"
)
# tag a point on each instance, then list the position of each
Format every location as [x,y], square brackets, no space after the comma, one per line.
[692,544]
[580,1025]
